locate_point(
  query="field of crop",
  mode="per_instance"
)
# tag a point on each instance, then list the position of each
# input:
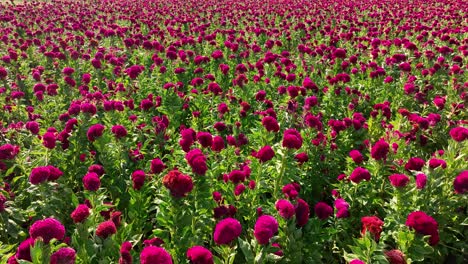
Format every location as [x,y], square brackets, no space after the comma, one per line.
[223,131]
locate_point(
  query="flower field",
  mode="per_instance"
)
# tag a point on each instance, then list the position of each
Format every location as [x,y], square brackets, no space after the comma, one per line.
[221,131]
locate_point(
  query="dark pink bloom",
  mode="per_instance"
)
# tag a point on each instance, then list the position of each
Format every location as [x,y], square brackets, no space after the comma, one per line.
[415,163]
[239,189]
[395,256]
[237,176]
[342,208]
[94,132]
[291,190]
[302,213]
[153,255]
[218,144]
[205,139]
[285,208]
[80,214]
[54,173]
[197,161]
[301,157]
[459,134]
[323,210]
[421,180]
[47,229]
[434,163]
[372,224]
[178,184]
[119,131]
[265,228]
[48,140]
[292,139]
[380,150]
[398,180]
[425,225]
[64,255]
[39,175]
[359,174]
[91,181]
[270,123]
[226,231]
[125,255]
[24,250]
[356,156]
[138,179]
[8,152]
[199,255]
[106,229]
[265,154]
[157,166]
[460,184]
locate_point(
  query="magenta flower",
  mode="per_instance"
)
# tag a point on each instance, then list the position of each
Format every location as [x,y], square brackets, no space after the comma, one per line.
[226,231]
[152,255]
[265,228]
[47,229]
[199,255]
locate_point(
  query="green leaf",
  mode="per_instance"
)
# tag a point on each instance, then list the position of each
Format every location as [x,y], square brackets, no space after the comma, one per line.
[247,250]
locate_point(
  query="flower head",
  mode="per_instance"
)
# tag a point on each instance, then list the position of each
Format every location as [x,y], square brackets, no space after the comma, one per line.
[265,228]
[47,229]
[152,254]
[226,231]
[199,255]
[178,184]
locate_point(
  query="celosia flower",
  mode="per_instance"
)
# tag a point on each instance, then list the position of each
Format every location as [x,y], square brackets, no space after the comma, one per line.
[265,154]
[205,139]
[415,163]
[359,174]
[197,161]
[356,156]
[47,229]
[342,208]
[199,255]
[421,180]
[64,255]
[372,224]
[425,225]
[399,180]
[395,256]
[80,214]
[119,131]
[226,231]
[106,229]
[285,208]
[94,132]
[291,190]
[323,210]
[265,228]
[380,150]
[39,175]
[459,134]
[460,184]
[178,184]
[138,179]
[152,255]
[302,213]
[24,249]
[292,139]
[91,181]
[8,152]
[157,166]
[125,255]
[270,124]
